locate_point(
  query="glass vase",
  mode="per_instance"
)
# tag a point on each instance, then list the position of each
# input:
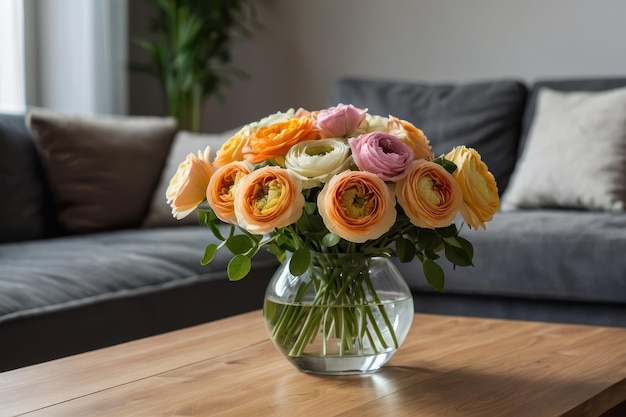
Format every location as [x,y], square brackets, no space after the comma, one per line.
[348,314]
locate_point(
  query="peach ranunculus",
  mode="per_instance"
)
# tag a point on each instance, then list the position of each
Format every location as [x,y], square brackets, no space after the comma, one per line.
[268,198]
[357,206]
[429,195]
[187,188]
[220,193]
[412,136]
[480,191]
[274,141]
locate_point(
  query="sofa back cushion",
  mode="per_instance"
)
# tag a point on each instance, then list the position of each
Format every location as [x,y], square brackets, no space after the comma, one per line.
[485,116]
[102,170]
[575,84]
[26,210]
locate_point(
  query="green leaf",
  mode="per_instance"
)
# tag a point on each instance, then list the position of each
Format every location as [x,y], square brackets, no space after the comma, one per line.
[448,165]
[452,241]
[209,254]
[457,256]
[330,239]
[240,244]
[310,208]
[405,249]
[238,267]
[428,239]
[209,219]
[300,261]
[449,231]
[434,274]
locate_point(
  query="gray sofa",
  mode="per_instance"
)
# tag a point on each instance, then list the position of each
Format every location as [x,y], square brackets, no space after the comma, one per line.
[67,288]
[541,262]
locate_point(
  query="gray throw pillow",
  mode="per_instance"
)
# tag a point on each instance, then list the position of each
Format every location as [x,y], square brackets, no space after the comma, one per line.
[160,214]
[575,153]
[102,170]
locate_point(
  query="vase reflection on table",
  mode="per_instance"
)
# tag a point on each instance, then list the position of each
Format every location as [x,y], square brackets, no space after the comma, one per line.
[347,314]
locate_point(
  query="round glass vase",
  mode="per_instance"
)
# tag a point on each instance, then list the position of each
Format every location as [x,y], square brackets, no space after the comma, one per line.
[347,314]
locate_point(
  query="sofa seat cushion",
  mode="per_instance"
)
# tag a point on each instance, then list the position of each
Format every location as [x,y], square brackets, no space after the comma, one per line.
[543,254]
[40,277]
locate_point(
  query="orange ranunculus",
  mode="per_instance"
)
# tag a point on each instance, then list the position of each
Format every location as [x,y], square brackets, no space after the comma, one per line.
[232,149]
[429,195]
[357,206]
[268,198]
[275,140]
[220,193]
[412,136]
[187,188]
[480,191]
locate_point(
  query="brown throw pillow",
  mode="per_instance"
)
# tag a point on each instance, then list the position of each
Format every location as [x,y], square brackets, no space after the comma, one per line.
[102,170]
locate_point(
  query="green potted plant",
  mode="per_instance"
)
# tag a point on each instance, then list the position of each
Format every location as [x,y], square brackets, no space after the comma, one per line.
[191,51]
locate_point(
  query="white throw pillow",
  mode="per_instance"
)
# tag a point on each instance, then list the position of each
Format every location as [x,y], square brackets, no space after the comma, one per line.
[575,155]
[160,213]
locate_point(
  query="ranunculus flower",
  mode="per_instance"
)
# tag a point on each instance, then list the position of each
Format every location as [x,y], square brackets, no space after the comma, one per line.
[339,121]
[268,198]
[480,191]
[220,193]
[357,206]
[376,123]
[274,141]
[429,195]
[314,162]
[412,136]
[232,149]
[187,188]
[382,154]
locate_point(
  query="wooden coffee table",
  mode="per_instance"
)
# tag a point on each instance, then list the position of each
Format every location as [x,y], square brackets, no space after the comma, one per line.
[448,366]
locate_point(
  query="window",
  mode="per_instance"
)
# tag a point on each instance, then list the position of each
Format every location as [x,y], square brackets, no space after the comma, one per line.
[12,93]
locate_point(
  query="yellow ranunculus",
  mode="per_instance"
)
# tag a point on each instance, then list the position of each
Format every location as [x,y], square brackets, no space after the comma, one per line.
[412,136]
[220,193]
[357,206]
[187,188]
[232,149]
[429,195]
[268,198]
[480,191]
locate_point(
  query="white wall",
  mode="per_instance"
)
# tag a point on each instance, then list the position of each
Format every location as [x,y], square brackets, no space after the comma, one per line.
[308,44]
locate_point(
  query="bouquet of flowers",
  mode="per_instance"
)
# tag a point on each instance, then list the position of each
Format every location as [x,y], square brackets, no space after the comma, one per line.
[337,180]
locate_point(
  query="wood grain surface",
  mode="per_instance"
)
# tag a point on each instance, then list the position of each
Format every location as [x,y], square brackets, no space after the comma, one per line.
[448,366]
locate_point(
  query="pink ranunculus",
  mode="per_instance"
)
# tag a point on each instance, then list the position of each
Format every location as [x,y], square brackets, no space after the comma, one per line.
[340,121]
[382,154]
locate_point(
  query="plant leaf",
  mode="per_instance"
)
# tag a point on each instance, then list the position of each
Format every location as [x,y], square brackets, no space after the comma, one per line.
[434,274]
[240,244]
[238,267]
[300,261]
[405,249]
[209,254]
[330,239]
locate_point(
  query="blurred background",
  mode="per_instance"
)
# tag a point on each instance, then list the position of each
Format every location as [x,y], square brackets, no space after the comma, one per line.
[74,55]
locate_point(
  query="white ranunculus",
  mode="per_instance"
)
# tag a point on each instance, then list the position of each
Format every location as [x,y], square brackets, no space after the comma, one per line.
[376,123]
[315,162]
[272,118]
